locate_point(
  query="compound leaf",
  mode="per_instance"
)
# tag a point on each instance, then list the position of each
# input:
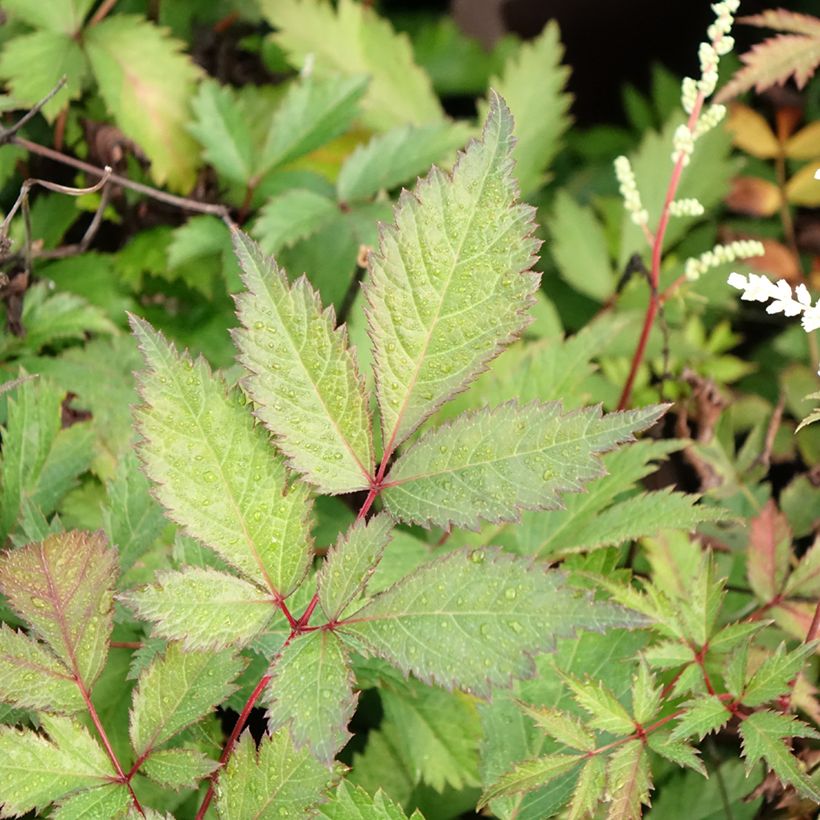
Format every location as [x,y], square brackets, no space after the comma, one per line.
[350,563]
[702,716]
[490,464]
[451,280]
[564,727]
[147,84]
[770,542]
[351,802]
[36,771]
[63,587]
[589,789]
[112,800]
[178,768]
[606,712]
[772,677]
[676,751]
[177,689]
[302,375]
[203,608]
[529,775]
[312,691]
[629,780]
[235,500]
[473,619]
[277,780]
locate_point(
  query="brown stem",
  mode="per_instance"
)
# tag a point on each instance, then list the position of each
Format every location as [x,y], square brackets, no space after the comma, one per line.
[102,12]
[6,134]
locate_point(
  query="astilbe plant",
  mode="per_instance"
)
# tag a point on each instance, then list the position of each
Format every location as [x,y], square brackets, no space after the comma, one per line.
[448,287]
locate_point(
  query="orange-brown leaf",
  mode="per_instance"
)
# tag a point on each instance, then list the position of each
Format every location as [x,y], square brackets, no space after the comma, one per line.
[770,542]
[753,196]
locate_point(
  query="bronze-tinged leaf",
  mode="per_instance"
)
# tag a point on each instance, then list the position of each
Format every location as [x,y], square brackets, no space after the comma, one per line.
[770,542]
[753,196]
[803,189]
[782,20]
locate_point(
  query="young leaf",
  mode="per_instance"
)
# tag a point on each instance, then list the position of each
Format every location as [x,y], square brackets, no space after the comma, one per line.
[203,608]
[294,215]
[176,690]
[676,751]
[235,499]
[178,768]
[147,83]
[606,712]
[565,728]
[491,464]
[277,780]
[533,83]
[764,735]
[473,619]
[32,678]
[303,375]
[646,695]
[451,281]
[702,716]
[529,775]
[112,800]
[36,771]
[350,563]
[590,788]
[390,159]
[629,780]
[63,587]
[352,39]
[772,677]
[351,802]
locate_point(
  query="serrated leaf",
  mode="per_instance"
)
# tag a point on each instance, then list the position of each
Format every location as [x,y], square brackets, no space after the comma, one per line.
[178,768]
[590,788]
[275,781]
[702,716]
[529,775]
[235,500]
[770,541]
[764,735]
[733,635]
[676,751]
[302,375]
[629,780]
[294,215]
[63,587]
[562,726]
[110,801]
[147,84]
[350,563]
[783,20]
[222,130]
[451,280]
[313,112]
[65,16]
[805,578]
[491,464]
[773,676]
[646,694]
[311,691]
[32,678]
[36,771]
[177,689]
[605,710]
[353,39]
[473,618]
[533,84]
[392,158]
[351,802]
[203,608]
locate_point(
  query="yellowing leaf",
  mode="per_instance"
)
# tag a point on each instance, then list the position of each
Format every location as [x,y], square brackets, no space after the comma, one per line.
[803,189]
[751,133]
[805,144]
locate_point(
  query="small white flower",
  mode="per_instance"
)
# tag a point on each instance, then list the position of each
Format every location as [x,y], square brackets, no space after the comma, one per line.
[757,288]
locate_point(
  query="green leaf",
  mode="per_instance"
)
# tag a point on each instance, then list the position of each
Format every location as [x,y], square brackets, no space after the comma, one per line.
[313,112]
[533,84]
[36,771]
[451,280]
[147,84]
[590,788]
[473,619]
[764,735]
[350,563]
[32,678]
[606,712]
[177,689]
[220,127]
[275,781]
[352,39]
[63,587]
[303,375]
[351,802]
[565,728]
[311,691]
[33,64]
[805,578]
[112,800]
[65,16]
[491,464]
[629,780]
[178,768]
[392,158]
[646,694]
[579,248]
[235,499]
[529,775]
[773,676]
[203,608]
[132,518]
[702,716]
[296,214]
[676,751]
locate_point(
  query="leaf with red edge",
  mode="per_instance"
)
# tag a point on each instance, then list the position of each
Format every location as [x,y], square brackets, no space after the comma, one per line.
[770,542]
[63,587]
[783,20]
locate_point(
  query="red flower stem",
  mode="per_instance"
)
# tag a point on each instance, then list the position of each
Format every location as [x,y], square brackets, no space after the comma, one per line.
[655,270]
[112,755]
[814,627]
